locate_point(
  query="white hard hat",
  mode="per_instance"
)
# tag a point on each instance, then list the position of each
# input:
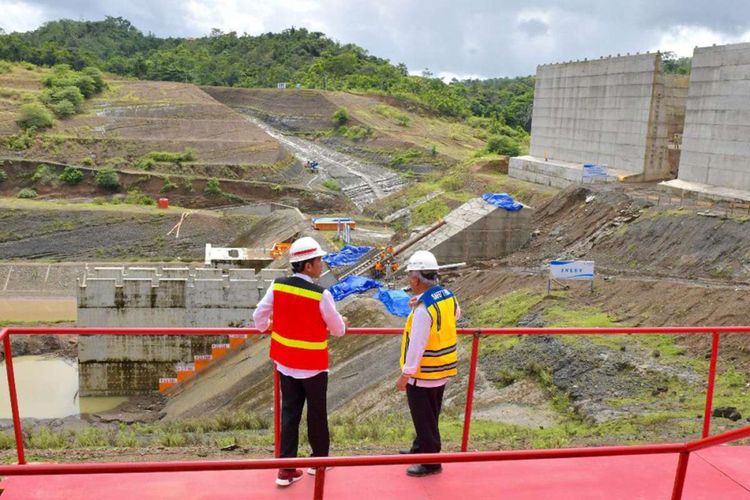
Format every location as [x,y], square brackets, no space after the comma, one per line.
[304,249]
[422,260]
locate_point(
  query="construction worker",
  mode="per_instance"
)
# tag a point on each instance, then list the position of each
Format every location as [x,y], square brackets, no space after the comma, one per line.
[378,269]
[300,314]
[428,355]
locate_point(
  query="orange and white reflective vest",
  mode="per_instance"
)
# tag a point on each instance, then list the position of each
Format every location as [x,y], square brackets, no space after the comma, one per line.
[300,336]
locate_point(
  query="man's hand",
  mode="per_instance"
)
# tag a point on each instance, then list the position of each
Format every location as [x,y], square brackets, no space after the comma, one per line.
[269,328]
[402,381]
[412,302]
[346,322]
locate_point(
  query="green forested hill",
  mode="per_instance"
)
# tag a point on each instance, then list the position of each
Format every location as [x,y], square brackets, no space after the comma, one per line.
[295,55]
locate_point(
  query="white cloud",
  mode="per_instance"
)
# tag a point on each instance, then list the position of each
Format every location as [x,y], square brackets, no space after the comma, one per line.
[201,16]
[20,16]
[490,38]
[252,18]
[683,39]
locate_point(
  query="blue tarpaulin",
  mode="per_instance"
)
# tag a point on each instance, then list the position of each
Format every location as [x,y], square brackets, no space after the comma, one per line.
[352,284]
[396,301]
[347,255]
[502,200]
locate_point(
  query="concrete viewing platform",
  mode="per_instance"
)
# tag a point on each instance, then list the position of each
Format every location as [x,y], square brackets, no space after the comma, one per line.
[558,173]
[706,191]
[715,473]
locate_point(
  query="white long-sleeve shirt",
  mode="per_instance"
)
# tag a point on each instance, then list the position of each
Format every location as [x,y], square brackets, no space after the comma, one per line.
[331,317]
[420,332]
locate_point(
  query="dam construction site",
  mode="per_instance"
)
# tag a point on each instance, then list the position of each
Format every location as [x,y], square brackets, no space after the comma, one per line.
[602,272]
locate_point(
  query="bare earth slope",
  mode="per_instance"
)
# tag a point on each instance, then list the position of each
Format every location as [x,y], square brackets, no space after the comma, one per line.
[393,128]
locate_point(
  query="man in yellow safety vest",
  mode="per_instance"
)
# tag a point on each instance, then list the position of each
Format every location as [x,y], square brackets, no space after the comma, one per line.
[428,355]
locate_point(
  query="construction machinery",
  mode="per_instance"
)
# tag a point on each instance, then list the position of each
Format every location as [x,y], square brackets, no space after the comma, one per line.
[375,256]
[279,249]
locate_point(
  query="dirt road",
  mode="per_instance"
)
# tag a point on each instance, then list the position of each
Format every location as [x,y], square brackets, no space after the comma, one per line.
[362,183]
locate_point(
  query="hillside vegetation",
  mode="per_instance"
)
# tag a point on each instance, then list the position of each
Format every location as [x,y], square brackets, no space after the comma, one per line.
[295,55]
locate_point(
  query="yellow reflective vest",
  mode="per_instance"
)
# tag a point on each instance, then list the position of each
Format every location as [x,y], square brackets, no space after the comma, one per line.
[440,358]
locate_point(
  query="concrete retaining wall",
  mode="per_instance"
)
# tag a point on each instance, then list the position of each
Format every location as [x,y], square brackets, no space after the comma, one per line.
[168,297]
[715,144]
[477,231]
[553,173]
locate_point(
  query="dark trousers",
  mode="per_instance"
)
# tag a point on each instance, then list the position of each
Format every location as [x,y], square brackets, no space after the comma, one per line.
[425,404]
[294,393]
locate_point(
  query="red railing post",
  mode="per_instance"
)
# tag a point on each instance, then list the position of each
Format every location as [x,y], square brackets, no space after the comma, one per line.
[276,413]
[679,478]
[320,482]
[13,397]
[711,383]
[470,391]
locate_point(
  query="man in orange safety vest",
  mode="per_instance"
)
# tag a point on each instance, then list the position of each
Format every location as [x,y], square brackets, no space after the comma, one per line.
[300,314]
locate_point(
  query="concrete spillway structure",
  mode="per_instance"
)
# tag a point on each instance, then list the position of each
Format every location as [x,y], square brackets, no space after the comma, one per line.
[715,158]
[477,230]
[176,297]
[615,111]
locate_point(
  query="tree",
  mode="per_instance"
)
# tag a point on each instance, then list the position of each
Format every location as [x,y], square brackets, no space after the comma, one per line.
[340,117]
[503,145]
[108,179]
[34,115]
[63,109]
[71,175]
[213,188]
[97,77]
[70,97]
[27,193]
[671,64]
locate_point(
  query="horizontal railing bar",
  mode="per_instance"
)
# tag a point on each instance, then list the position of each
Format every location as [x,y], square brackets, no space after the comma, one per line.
[717,439]
[88,330]
[38,330]
[425,458]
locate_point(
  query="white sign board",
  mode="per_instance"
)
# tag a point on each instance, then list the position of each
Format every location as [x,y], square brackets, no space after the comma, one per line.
[281,85]
[571,269]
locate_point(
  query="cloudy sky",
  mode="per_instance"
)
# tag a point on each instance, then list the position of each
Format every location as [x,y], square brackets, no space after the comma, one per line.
[466,38]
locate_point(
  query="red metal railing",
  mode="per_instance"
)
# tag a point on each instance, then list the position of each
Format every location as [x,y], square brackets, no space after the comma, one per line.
[683,449]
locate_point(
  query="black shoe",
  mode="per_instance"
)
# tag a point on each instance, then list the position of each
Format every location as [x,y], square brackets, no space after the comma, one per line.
[419,470]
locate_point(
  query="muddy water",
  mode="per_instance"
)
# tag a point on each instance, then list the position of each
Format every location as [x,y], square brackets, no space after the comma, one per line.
[38,309]
[48,388]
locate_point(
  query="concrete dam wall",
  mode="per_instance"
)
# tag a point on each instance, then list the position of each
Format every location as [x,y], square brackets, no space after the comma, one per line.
[615,111]
[716,141]
[169,297]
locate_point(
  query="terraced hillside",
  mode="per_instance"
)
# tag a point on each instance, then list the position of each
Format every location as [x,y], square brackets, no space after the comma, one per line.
[162,138]
[134,118]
